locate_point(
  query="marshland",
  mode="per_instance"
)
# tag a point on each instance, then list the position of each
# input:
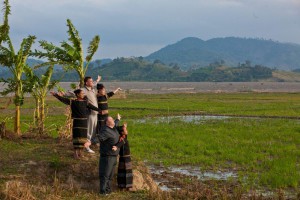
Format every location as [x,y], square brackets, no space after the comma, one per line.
[204,145]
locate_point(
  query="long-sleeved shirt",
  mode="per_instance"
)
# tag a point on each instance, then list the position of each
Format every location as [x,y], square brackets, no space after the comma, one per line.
[79,108]
[102,100]
[109,137]
[91,94]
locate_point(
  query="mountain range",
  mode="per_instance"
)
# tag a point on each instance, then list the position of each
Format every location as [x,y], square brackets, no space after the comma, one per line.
[194,52]
[192,59]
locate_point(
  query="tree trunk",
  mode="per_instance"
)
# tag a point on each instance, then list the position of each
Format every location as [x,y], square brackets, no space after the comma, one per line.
[42,117]
[36,113]
[81,83]
[17,121]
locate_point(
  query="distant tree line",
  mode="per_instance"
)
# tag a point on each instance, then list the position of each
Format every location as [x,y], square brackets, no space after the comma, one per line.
[138,69]
[244,72]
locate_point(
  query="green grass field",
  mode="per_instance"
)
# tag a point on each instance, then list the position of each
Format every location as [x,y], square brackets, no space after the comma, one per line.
[264,151]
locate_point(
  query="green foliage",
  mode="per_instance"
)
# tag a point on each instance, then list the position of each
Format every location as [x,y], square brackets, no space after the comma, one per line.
[75,39]
[262,149]
[136,69]
[70,54]
[242,73]
[4,28]
[73,86]
[39,85]
[16,64]
[55,162]
[132,69]
[92,48]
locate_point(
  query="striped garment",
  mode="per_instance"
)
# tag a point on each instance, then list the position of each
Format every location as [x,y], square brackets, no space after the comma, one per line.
[79,110]
[79,132]
[125,176]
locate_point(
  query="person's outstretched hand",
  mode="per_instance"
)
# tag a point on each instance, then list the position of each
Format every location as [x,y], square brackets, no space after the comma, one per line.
[60,94]
[98,79]
[114,148]
[118,116]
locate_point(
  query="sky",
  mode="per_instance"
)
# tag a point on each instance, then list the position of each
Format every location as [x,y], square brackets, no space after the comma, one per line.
[141,27]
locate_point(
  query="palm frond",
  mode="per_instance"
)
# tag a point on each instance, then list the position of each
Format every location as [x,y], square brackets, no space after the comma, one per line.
[45,79]
[48,46]
[31,82]
[71,51]
[25,49]
[74,36]
[6,57]
[28,71]
[52,84]
[23,54]
[92,48]
[51,63]
[6,9]
[4,28]
[53,53]
[10,46]
[27,44]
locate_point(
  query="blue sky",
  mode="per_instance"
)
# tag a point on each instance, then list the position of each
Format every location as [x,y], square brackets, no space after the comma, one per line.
[140,27]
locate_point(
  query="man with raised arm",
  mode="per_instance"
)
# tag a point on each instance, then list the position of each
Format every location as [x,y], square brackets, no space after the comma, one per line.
[91,95]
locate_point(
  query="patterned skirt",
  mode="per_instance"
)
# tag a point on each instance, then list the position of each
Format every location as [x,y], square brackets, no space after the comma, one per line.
[125,177]
[79,132]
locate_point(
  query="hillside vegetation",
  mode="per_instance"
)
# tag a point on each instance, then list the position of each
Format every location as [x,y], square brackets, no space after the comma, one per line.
[195,52]
[139,69]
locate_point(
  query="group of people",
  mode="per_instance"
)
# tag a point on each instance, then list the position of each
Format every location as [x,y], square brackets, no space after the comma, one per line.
[91,125]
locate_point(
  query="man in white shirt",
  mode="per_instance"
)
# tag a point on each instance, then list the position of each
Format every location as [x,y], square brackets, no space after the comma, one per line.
[91,94]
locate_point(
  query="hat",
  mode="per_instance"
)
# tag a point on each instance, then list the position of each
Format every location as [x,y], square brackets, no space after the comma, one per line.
[100,86]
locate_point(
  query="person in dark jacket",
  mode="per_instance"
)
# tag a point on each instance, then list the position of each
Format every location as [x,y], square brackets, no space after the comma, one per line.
[108,137]
[79,108]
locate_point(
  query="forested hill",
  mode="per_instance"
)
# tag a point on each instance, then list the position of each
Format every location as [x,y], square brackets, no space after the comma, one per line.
[139,69]
[194,52]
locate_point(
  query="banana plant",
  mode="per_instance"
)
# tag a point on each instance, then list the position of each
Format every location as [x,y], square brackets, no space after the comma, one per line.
[69,54]
[39,86]
[15,62]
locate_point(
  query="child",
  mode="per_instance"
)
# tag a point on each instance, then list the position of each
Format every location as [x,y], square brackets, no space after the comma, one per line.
[125,176]
[79,109]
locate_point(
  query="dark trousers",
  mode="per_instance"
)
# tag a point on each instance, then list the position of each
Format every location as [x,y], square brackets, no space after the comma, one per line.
[107,166]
